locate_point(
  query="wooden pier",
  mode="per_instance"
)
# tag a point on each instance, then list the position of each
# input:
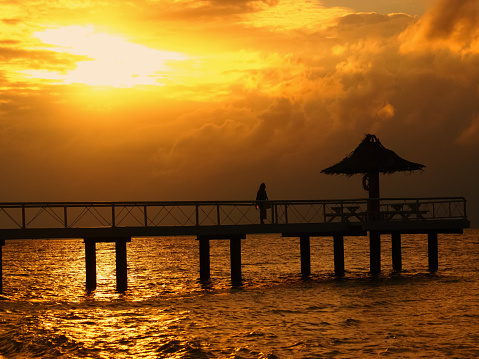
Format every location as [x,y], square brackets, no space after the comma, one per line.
[119,222]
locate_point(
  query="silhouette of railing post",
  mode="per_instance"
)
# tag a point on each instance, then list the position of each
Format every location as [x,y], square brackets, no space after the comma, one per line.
[113,216]
[197,215]
[65,217]
[24,225]
[90,263]
[305,250]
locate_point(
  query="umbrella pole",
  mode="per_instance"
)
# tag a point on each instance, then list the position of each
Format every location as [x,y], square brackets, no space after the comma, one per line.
[373,203]
[374,215]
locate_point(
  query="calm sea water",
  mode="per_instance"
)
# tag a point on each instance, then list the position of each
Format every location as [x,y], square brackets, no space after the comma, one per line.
[166,313]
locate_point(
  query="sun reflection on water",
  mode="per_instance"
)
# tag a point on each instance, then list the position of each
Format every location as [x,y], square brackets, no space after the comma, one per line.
[167,313]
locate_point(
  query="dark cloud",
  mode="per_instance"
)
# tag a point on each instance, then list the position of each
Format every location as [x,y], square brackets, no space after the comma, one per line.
[242,3]
[450,16]
[368,24]
[451,24]
[9,42]
[212,10]
[411,7]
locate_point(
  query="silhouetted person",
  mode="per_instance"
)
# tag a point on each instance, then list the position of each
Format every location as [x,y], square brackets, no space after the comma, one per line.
[261,196]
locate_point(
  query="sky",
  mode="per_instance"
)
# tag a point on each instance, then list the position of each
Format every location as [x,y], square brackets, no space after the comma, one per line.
[205,99]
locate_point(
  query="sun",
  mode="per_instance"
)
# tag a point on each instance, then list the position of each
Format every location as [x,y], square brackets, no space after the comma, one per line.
[110,60]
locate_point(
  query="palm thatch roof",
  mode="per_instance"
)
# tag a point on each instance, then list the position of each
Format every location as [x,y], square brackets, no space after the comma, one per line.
[370,157]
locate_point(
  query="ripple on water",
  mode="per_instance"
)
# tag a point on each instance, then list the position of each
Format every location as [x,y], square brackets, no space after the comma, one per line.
[167,312]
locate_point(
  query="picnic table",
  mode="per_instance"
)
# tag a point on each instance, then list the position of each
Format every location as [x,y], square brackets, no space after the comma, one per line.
[345,213]
[404,211]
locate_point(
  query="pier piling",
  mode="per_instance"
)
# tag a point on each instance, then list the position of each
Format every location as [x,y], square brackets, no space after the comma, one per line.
[235,257]
[396,251]
[375,252]
[338,255]
[90,263]
[432,250]
[204,258]
[121,264]
[305,250]
[2,243]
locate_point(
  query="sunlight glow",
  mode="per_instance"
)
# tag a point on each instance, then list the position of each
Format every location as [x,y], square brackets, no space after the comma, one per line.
[109,60]
[296,14]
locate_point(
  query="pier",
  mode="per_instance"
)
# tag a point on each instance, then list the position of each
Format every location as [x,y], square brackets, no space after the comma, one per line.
[120,222]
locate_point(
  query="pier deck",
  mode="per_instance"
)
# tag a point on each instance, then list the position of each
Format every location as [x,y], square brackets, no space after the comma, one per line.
[207,220]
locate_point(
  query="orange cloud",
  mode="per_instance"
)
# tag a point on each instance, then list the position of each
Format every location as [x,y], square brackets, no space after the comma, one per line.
[451,24]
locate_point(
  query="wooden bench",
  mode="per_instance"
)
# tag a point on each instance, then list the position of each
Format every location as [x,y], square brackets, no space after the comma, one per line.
[345,213]
[404,211]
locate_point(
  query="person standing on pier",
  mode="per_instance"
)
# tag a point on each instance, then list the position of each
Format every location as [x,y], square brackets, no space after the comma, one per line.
[261,197]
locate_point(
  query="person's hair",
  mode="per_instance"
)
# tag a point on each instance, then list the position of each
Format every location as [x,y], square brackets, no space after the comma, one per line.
[262,186]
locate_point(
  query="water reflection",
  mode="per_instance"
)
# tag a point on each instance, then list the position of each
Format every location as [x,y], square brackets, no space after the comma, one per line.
[168,312]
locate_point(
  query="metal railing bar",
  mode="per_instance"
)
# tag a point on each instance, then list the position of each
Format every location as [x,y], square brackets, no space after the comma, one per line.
[13,219]
[198,213]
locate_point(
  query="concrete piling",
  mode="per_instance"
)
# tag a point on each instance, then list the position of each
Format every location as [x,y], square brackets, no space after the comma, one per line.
[433,252]
[235,257]
[338,255]
[375,252]
[305,250]
[90,263]
[121,265]
[2,243]
[204,258]
[396,251]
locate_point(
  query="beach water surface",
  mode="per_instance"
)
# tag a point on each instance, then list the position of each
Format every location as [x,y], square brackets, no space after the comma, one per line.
[166,312]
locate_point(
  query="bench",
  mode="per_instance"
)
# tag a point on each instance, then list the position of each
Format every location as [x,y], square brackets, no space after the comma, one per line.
[404,211]
[344,213]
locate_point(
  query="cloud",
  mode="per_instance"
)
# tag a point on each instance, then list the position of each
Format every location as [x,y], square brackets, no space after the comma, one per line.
[11,21]
[451,24]
[470,135]
[303,15]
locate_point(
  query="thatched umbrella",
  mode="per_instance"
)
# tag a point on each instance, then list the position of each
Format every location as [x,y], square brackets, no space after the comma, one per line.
[371,158]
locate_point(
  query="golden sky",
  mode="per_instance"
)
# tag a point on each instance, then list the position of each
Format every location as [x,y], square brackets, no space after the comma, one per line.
[204,100]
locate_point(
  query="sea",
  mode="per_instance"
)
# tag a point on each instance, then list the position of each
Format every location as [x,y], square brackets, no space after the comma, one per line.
[46,312]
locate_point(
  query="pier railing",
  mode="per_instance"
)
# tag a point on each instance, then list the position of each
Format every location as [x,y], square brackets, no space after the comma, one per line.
[33,215]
